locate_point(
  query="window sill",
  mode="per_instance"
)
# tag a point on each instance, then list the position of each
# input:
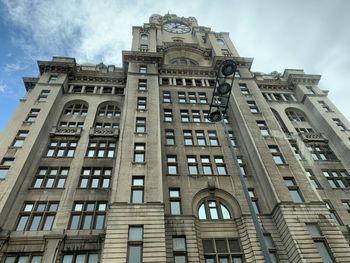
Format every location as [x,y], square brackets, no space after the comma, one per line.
[173,175]
[142,163]
[140,133]
[46,188]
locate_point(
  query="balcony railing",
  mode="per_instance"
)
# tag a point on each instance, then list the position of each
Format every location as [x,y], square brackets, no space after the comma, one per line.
[65,131]
[313,137]
[105,132]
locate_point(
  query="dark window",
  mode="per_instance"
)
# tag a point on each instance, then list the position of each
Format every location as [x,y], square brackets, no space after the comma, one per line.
[101,149]
[137,189]
[36,216]
[340,124]
[109,111]
[81,257]
[252,106]
[192,97]
[192,165]
[50,177]
[184,116]
[76,110]
[95,177]
[220,165]
[334,214]
[206,165]
[293,190]
[264,130]
[196,117]
[276,154]
[244,89]
[296,116]
[171,165]
[336,178]
[296,151]
[202,97]
[52,79]
[271,247]
[141,103]
[324,106]
[169,137]
[166,96]
[222,251]
[181,97]
[346,205]
[313,179]
[88,215]
[142,86]
[320,243]
[321,152]
[23,258]
[143,69]
[213,138]
[254,200]
[179,249]
[140,125]
[168,115]
[188,138]
[43,95]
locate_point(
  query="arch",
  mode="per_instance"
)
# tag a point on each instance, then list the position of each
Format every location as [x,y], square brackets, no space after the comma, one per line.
[224,203]
[75,108]
[183,61]
[185,52]
[295,115]
[144,37]
[220,41]
[107,115]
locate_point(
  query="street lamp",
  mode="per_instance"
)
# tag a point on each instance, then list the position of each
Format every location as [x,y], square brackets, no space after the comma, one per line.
[217,111]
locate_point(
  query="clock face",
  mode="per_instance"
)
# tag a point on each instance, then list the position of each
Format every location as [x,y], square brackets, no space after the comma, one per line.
[176,27]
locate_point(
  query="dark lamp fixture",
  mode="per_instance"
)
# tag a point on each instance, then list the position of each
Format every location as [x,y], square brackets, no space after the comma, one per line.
[228,67]
[223,89]
[214,116]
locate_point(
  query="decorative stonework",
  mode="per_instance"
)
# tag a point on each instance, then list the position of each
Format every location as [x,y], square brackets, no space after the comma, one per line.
[109,132]
[65,131]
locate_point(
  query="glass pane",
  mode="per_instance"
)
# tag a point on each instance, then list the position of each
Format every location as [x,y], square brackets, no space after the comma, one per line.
[35,223]
[234,246]
[100,221]
[221,246]
[83,183]
[23,259]
[296,196]
[201,212]
[135,233]
[93,258]
[238,259]
[174,193]
[48,222]
[94,183]
[28,207]
[105,183]
[22,223]
[53,207]
[49,183]
[134,254]
[137,181]
[102,207]
[75,222]
[322,249]
[10,259]
[90,207]
[180,259]
[209,260]
[179,244]
[313,230]
[40,207]
[137,196]
[60,183]
[80,258]
[225,212]
[223,260]
[36,259]
[175,208]
[87,222]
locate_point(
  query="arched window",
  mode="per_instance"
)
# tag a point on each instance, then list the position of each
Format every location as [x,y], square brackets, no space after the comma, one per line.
[77,109]
[108,115]
[144,37]
[220,42]
[295,115]
[213,209]
[280,121]
[183,62]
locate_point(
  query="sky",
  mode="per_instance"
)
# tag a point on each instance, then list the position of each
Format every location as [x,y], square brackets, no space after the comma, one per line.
[313,35]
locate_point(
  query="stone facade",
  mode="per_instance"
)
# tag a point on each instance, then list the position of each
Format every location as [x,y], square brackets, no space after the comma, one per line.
[107,164]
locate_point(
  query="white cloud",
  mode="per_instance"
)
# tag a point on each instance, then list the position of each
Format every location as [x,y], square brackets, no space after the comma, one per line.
[14,67]
[297,34]
[2,87]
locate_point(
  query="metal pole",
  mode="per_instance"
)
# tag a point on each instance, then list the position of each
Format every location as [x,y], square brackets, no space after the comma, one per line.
[259,232]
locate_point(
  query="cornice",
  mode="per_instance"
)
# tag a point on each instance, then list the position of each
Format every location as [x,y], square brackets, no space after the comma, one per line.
[170,46]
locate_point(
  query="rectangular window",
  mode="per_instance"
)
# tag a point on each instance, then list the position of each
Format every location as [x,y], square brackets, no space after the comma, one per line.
[139,152]
[200,138]
[184,116]
[310,89]
[142,85]
[3,172]
[50,177]
[37,216]
[346,205]
[192,165]
[333,213]
[137,189]
[320,242]
[188,138]
[171,165]
[252,106]
[135,240]
[296,151]
[43,95]
[179,249]
[143,69]
[61,148]
[244,89]
[192,97]
[101,149]
[222,251]
[340,124]
[175,201]
[321,152]
[52,79]
[271,247]
[232,139]
[181,97]
[95,177]
[220,165]
[241,165]
[336,178]
[169,137]
[293,190]
[88,215]
[276,154]
[80,257]
[7,161]
[18,141]
[264,130]
[166,96]
[141,103]
[324,106]
[202,97]
[196,117]
[168,115]
[23,258]
[206,165]
[254,200]
[213,138]
[33,114]
[312,177]
[140,125]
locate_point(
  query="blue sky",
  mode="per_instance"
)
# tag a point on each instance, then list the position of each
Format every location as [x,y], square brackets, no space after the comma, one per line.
[313,35]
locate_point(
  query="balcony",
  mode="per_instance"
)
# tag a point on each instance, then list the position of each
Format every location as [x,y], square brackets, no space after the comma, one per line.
[104,132]
[65,131]
[313,137]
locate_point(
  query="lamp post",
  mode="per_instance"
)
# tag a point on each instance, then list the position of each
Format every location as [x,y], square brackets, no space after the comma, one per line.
[218,107]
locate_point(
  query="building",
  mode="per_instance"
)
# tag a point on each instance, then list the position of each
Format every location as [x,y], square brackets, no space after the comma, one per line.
[108,164]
